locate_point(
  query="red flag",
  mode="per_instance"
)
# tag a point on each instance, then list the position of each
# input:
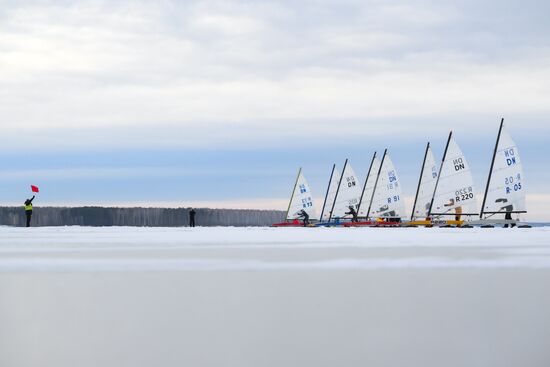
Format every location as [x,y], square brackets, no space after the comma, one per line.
[34,188]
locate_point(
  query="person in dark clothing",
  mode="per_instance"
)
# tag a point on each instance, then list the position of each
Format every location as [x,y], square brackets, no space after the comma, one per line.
[305,217]
[508,216]
[28,210]
[192,217]
[353,214]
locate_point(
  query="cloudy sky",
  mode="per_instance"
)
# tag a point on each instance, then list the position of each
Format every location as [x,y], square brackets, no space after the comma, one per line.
[217,103]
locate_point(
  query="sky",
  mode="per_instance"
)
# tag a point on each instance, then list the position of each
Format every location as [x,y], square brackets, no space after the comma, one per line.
[218,103]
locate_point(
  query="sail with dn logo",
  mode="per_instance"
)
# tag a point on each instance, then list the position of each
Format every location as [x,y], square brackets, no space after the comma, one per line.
[454,191]
[505,191]
[348,193]
[301,199]
[459,164]
[510,153]
[387,201]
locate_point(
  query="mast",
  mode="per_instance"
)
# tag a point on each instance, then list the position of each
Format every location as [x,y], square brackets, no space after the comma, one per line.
[420,180]
[338,189]
[366,182]
[293,191]
[439,174]
[328,189]
[376,183]
[491,170]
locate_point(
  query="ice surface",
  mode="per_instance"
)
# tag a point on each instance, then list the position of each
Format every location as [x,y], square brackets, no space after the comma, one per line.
[81,249]
[118,296]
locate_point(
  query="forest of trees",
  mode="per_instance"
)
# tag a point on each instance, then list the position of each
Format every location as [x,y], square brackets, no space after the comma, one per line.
[138,217]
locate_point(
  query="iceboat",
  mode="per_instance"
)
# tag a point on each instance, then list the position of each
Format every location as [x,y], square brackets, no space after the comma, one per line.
[342,194]
[424,192]
[383,188]
[289,223]
[300,200]
[506,188]
[454,192]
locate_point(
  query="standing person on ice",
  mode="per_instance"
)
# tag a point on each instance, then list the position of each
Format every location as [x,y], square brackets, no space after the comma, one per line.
[353,213]
[458,210]
[303,214]
[508,216]
[192,217]
[28,210]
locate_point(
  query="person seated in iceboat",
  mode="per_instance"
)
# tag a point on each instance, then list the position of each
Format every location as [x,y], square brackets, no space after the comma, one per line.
[353,213]
[392,217]
[387,216]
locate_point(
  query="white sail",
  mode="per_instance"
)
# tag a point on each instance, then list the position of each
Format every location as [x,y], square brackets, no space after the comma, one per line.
[333,187]
[369,188]
[507,187]
[388,199]
[301,199]
[455,191]
[426,187]
[349,193]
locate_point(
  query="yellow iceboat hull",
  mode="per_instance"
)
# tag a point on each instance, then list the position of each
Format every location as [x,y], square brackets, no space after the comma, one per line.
[426,223]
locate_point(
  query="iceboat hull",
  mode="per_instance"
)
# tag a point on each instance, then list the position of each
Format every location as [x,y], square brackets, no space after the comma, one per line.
[330,224]
[488,223]
[373,224]
[294,223]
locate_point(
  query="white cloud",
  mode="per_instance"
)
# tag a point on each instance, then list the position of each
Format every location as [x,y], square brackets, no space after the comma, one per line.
[227,24]
[220,66]
[102,173]
[88,75]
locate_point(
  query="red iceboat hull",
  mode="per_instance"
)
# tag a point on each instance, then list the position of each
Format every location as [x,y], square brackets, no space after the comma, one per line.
[288,224]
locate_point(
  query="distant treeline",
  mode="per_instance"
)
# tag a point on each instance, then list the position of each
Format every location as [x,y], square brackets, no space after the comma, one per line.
[138,217]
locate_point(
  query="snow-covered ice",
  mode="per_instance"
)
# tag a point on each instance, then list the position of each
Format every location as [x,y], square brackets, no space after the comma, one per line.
[80,249]
[119,296]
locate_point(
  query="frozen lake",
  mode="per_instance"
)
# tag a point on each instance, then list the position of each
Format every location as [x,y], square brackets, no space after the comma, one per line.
[78,296]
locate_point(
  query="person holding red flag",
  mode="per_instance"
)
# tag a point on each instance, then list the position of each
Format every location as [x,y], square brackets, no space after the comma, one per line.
[28,206]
